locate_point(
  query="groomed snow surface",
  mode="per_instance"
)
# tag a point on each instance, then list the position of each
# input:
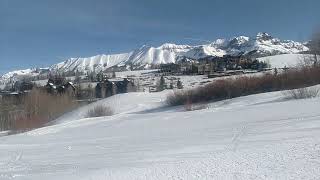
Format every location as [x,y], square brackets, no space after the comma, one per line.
[260,136]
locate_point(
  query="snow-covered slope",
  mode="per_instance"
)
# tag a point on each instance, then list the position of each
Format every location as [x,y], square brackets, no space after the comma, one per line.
[255,137]
[288,60]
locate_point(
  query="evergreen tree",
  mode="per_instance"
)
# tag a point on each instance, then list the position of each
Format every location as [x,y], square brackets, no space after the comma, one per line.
[275,71]
[315,47]
[77,78]
[90,91]
[161,84]
[179,84]
[171,85]
[100,76]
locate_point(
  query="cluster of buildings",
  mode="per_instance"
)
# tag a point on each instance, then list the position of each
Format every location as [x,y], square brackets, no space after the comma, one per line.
[212,64]
[110,87]
[102,87]
[58,85]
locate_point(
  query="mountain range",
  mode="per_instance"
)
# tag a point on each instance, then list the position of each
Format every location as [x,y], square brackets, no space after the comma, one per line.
[261,45]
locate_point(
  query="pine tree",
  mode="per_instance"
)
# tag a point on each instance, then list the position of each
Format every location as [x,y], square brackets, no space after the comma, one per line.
[161,84]
[315,47]
[275,71]
[90,91]
[100,76]
[179,84]
[171,85]
[77,78]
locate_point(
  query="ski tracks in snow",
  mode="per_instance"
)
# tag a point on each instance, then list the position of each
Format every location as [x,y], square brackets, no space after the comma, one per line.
[9,169]
[241,131]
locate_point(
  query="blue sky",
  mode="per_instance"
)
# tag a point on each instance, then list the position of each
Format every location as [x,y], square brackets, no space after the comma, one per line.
[43,32]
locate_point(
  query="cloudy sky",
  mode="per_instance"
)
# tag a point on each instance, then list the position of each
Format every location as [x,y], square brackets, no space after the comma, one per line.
[43,32]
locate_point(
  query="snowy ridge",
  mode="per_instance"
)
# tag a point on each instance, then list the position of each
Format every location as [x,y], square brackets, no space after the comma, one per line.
[13,75]
[261,45]
[20,74]
[91,63]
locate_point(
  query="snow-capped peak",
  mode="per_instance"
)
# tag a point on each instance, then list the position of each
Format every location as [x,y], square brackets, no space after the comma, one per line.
[263,36]
[173,46]
[237,42]
[219,43]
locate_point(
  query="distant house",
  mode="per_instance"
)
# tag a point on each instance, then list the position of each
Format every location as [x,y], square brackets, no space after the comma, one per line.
[221,64]
[185,68]
[170,68]
[57,80]
[51,88]
[11,96]
[188,68]
[111,87]
[60,86]
[204,68]
[22,86]
[67,88]
[101,89]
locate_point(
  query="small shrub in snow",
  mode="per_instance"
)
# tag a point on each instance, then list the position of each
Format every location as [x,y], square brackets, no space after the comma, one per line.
[184,98]
[302,93]
[99,111]
[195,107]
[179,98]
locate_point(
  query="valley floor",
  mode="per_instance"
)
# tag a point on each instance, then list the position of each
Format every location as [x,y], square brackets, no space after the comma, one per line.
[260,136]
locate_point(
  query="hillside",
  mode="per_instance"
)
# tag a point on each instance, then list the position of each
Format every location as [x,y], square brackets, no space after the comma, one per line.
[252,137]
